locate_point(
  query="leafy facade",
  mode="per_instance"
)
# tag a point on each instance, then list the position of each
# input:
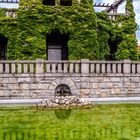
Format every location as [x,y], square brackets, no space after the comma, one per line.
[91,35]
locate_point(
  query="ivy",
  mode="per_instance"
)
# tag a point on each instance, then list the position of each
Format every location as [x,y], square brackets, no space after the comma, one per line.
[89,32]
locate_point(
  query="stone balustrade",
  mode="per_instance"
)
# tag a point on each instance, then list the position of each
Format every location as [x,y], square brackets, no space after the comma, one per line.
[84,66]
[39,79]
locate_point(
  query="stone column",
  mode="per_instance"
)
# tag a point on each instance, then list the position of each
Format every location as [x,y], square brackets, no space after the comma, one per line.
[126,66]
[85,66]
[39,66]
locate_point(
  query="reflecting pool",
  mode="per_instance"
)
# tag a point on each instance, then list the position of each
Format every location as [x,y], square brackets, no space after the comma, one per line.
[101,122]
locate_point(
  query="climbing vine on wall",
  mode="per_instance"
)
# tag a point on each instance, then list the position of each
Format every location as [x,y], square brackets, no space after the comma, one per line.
[124,31]
[89,32]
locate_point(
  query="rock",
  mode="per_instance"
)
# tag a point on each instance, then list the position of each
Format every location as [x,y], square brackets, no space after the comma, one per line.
[63,101]
[56,101]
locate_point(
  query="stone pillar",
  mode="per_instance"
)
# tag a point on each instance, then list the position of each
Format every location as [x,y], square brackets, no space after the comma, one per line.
[84,66]
[39,66]
[126,66]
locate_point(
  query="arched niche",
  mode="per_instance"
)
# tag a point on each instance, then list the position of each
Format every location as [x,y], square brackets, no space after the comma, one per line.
[62,90]
[57,46]
[3,47]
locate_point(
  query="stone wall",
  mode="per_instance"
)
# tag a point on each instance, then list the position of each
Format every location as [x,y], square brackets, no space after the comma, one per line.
[83,84]
[43,86]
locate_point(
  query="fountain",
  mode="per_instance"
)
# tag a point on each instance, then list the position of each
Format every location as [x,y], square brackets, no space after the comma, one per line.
[63,98]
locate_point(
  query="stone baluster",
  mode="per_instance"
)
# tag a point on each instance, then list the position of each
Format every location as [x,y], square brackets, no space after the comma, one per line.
[54,68]
[97,68]
[126,66]
[13,68]
[77,68]
[60,68]
[85,66]
[25,68]
[48,68]
[138,68]
[1,68]
[103,68]
[7,68]
[134,68]
[71,70]
[114,67]
[108,68]
[31,68]
[39,66]
[19,68]
[92,67]
[65,67]
[119,68]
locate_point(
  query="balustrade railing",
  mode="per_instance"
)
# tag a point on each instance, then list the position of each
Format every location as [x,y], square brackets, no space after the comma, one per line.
[83,66]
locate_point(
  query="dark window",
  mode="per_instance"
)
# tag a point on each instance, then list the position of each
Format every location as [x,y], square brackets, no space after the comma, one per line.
[113,49]
[66,2]
[3,47]
[49,2]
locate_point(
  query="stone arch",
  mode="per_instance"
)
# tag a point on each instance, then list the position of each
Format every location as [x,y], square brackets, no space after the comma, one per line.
[75,91]
[62,90]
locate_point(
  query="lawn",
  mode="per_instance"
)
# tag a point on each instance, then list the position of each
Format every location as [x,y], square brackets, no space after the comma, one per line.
[101,122]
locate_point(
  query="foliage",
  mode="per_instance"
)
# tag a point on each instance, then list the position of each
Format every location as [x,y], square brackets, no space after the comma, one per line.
[89,32]
[127,46]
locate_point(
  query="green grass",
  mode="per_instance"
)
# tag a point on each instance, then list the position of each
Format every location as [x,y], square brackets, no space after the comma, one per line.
[102,122]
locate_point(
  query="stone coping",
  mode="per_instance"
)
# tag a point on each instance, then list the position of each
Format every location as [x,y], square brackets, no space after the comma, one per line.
[4,75]
[111,100]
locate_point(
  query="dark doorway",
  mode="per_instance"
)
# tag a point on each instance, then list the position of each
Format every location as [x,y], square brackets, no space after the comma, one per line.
[57,46]
[3,47]
[113,49]
[66,2]
[49,2]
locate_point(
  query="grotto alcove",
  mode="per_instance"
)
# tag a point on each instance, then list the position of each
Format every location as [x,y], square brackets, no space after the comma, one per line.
[62,90]
[57,48]
[3,47]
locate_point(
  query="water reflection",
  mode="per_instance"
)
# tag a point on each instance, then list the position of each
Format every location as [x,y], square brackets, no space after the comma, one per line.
[93,124]
[83,134]
[19,135]
[62,113]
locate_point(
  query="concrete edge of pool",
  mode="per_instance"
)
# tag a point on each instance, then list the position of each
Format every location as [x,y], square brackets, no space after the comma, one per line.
[111,100]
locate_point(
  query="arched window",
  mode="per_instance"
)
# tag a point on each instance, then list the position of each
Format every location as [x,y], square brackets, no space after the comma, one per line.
[3,47]
[66,2]
[49,2]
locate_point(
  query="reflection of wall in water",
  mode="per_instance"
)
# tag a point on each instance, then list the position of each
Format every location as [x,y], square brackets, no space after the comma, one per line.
[62,113]
[88,132]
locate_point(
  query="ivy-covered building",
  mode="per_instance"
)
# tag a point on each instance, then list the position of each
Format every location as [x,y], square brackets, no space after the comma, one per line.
[66,29]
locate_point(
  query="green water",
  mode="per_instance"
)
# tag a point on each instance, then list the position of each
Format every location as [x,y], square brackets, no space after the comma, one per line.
[102,122]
